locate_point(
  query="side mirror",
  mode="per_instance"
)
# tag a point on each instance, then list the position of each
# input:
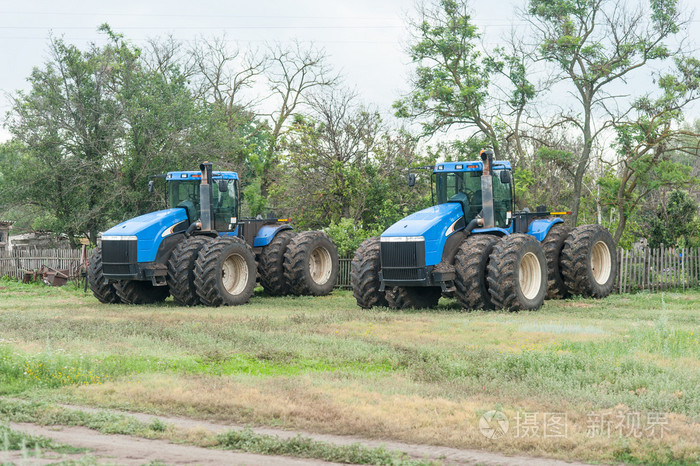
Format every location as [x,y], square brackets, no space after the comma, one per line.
[505,177]
[223,186]
[151,186]
[411,179]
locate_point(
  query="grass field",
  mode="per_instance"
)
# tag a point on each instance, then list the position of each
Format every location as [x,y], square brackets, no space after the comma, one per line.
[600,381]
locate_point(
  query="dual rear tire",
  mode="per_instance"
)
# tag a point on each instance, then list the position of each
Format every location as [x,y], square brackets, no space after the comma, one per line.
[589,262]
[311,264]
[517,273]
[222,271]
[225,272]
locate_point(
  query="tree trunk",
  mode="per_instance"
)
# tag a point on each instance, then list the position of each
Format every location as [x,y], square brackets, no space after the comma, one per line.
[582,162]
[620,226]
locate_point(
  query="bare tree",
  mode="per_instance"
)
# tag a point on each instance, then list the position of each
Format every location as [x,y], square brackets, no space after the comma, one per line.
[292,72]
[221,72]
[161,55]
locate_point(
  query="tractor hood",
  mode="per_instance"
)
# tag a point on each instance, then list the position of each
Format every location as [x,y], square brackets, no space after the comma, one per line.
[149,230]
[435,224]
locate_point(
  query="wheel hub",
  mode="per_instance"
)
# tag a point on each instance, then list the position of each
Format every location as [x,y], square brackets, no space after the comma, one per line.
[529,275]
[320,265]
[601,262]
[234,274]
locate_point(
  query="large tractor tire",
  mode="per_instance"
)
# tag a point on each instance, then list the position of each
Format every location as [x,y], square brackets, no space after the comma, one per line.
[553,245]
[181,270]
[104,291]
[311,264]
[517,273]
[271,264]
[589,261]
[471,266]
[139,292]
[364,275]
[413,297]
[225,272]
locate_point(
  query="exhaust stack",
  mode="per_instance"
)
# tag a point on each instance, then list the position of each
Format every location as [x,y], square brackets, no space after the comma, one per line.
[487,189]
[205,197]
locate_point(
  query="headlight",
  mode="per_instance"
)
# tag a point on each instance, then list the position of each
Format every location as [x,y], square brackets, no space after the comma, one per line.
[401,239]
[119,238]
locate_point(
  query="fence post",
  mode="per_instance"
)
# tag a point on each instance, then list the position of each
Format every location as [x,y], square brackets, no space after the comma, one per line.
[627,272]
[683,259]
[646,268]
[637,271]
[622,271]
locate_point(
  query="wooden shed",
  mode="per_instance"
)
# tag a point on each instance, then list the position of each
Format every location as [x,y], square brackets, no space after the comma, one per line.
[5,235]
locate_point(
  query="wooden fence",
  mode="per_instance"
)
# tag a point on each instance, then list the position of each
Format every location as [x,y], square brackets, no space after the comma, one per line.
[640,269]
[344,272]
[658,269]
[15,263]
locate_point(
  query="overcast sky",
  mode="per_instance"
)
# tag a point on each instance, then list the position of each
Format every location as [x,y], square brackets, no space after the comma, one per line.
[365,39]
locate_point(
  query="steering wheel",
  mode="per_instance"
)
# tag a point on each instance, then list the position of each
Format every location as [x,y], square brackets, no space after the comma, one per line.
[466,191]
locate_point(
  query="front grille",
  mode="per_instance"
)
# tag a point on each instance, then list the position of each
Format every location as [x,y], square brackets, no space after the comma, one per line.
[118,257]
[402,254]
[403,274]
[117,269]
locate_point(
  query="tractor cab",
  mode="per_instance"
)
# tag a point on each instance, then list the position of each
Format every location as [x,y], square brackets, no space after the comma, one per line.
[184,192]
[461,182]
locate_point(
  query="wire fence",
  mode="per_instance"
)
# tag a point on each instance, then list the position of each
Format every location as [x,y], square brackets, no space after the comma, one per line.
[639,269]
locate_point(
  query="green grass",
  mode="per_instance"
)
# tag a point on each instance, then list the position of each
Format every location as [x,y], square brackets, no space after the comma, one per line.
[325,364]
[305,447]
[243,440]
[31,445]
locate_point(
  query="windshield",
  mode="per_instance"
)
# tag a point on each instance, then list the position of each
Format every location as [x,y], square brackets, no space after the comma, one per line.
[224,204]
[185,194]
[465,187]
[502,200]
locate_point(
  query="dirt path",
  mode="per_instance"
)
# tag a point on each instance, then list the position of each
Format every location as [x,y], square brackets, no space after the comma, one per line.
[447,455]
[126,450]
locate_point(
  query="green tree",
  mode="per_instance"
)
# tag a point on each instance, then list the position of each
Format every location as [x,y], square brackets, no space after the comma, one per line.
[456,85]
[650,135]
[293,73]
[676,223]
[596,45]
[92,127]
[69,124]
[342,162]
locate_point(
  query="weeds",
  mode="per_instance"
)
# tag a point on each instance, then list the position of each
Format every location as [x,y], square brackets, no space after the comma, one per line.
[305,447]
[244,440]
[31,444]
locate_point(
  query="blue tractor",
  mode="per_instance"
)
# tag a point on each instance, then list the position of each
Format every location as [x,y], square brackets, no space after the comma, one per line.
[473,245]
[201,252]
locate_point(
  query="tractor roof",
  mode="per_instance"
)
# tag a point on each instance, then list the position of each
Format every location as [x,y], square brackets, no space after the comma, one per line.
[470,166]
[193,175]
